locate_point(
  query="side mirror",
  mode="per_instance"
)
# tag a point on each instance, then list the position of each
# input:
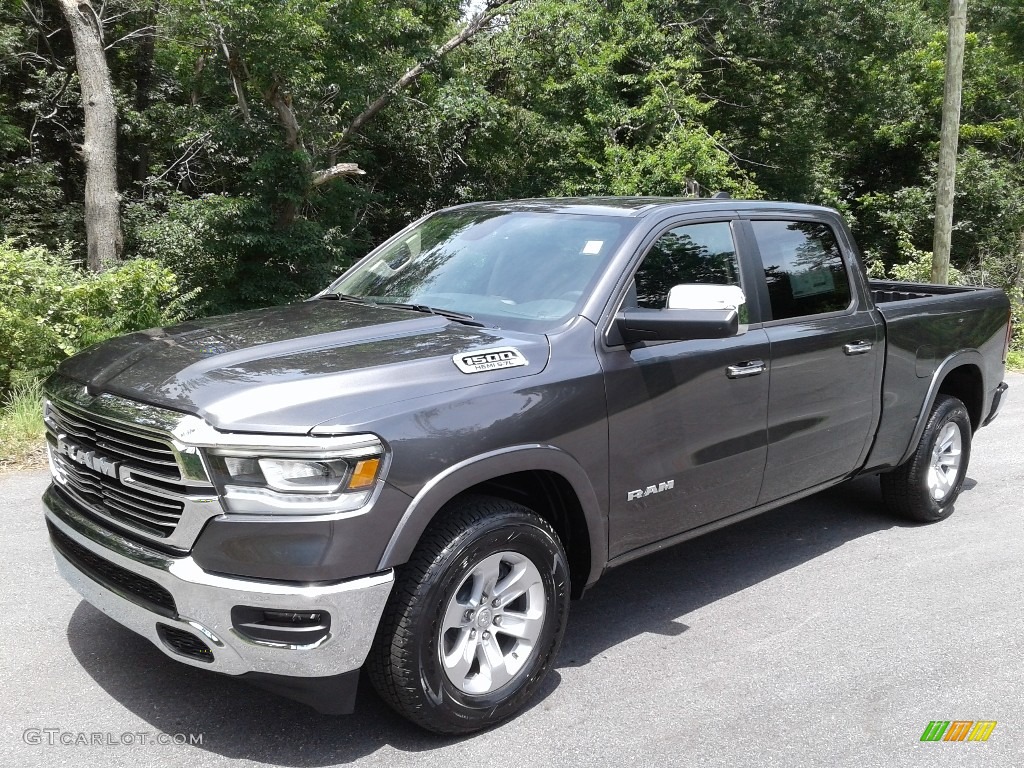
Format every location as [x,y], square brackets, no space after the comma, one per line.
[693,311]
[703,296]
[636,325]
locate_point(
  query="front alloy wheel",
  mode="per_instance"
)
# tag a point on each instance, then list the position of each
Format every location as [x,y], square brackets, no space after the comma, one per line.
[475,619]
[492,623]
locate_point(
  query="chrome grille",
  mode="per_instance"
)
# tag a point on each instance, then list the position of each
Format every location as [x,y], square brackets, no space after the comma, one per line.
[126,476]
[143,451]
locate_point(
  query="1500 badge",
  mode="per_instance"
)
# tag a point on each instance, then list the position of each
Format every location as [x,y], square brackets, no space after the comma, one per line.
[489,359]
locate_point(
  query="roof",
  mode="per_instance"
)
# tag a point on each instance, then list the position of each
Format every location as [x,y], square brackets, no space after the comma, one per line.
[633,207]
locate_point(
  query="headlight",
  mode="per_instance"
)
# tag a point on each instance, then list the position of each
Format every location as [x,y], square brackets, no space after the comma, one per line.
[309,475]
[256,482]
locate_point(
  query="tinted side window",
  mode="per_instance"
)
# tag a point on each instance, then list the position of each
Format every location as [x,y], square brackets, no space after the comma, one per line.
[694,253]
[803,267]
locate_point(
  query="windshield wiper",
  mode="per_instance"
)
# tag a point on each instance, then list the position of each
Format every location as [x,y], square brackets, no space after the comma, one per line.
[346,297]
[450,314]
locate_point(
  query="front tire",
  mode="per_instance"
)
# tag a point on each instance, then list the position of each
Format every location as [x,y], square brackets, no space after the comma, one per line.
[475,619]
[925,488]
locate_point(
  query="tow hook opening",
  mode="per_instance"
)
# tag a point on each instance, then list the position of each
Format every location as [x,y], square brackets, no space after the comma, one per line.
[184,643]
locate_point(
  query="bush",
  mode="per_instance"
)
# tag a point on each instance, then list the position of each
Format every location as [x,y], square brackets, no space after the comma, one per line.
[232,248]
[50,308]
[21,426]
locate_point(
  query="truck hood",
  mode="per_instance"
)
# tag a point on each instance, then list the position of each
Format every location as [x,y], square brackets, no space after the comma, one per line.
[285,369]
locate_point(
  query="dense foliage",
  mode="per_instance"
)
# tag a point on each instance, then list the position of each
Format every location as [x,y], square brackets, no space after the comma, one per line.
[50,308]
[228,108]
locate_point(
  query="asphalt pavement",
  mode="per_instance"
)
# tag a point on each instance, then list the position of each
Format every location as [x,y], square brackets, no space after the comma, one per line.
[824,633]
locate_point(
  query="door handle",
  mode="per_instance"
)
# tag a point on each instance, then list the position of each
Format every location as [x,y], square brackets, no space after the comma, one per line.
[742,370]
[857,347]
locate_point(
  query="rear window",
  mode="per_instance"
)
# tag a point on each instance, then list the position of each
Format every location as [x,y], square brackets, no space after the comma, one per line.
[803,267]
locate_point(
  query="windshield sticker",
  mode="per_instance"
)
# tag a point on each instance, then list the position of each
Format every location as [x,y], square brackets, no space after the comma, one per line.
[483,360]
[593,247]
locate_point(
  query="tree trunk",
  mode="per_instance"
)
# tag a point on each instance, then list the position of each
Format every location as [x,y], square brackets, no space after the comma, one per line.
[102,207]
[288,207]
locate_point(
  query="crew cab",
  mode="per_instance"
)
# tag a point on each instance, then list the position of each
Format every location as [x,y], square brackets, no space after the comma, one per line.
[413,472]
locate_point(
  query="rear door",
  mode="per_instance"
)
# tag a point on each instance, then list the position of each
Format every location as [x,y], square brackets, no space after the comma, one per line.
[826,349]
[686,419]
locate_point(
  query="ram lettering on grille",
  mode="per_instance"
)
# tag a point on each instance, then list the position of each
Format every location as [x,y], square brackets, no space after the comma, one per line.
[87,458]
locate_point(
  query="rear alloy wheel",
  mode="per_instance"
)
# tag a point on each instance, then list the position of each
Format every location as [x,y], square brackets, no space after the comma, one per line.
[925,488]
[944,467]
[475,619]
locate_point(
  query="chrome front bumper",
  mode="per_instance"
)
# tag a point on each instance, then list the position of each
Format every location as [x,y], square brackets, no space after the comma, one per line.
[203,603]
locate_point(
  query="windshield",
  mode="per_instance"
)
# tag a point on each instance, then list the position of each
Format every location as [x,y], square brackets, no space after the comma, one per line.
[521,270]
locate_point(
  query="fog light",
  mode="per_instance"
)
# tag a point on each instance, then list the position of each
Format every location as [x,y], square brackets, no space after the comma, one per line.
[281,627]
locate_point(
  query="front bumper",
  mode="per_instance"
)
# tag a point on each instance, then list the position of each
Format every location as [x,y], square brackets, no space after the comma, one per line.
[117,576]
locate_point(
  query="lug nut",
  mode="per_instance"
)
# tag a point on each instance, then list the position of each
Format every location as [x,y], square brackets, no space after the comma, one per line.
[487,635]
[469,615]
[472,634]
[496,602]
[497,621]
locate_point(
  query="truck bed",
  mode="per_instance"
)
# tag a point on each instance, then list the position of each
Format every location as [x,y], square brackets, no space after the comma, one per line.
[888,291]
[926,327]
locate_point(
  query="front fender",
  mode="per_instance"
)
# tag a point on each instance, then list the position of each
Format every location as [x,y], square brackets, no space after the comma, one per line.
[440,489]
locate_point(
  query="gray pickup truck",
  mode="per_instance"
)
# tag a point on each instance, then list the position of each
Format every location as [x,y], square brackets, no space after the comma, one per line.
[414,471]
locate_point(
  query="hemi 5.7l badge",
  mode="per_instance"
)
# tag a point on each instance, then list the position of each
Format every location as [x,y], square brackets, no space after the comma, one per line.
[489,359]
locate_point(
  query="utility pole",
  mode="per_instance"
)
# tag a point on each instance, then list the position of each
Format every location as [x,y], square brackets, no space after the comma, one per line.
[946,181]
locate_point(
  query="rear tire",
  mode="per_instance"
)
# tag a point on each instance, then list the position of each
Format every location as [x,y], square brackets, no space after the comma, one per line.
[475,619]
[925,488]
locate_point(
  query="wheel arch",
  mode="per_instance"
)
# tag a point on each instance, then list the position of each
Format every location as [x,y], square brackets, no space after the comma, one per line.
[543,478]
[965,384]
[959,375]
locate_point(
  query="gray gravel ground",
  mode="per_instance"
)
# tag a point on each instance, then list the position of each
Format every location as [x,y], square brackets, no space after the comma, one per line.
[821,634]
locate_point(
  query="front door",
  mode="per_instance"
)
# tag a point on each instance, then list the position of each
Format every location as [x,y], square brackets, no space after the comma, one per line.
[687,420]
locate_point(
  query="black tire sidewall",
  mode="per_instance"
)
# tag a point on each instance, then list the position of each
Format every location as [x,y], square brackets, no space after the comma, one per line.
[462,711]
[950,410]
